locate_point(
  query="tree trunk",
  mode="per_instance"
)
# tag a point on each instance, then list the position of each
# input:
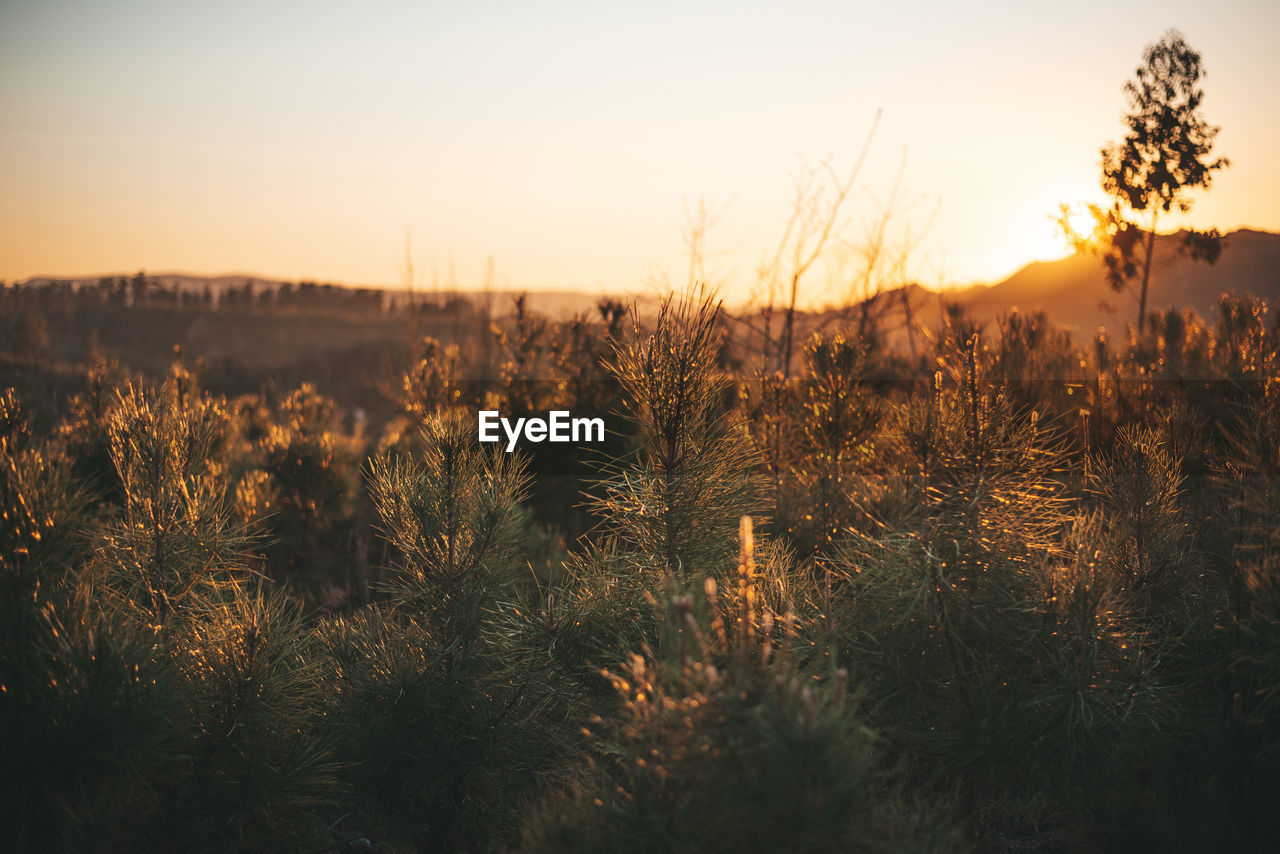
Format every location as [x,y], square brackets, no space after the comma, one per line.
[1146,273]
[788,327]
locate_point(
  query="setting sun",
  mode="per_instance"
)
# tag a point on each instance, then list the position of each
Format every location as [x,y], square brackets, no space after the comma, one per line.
[1078,220]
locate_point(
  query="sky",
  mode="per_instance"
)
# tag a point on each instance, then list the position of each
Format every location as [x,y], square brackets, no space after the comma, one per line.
[570,142]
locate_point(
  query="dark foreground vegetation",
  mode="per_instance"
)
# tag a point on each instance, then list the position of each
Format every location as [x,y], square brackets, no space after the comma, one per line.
[997,590]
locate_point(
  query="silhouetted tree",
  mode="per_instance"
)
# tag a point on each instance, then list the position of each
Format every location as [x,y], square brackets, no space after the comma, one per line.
[1163,156]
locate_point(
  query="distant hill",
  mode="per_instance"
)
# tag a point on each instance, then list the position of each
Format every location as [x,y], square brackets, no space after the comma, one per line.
[557,304]
[1073,292]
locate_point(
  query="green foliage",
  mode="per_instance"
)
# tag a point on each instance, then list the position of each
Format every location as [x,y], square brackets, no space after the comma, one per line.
[258,772]
[312,465]
[1049,569]
[174,536]
[452,516]
[1243,728]
[1139,487]
[674,502]
[431,386]
[41,506]
[725,741]
[103,721]
[162,702]
[310,487]
[443,724]
[830,444]
[85,432]
[968,622]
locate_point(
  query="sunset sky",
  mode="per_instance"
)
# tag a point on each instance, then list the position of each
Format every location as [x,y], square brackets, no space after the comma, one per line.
[566,140]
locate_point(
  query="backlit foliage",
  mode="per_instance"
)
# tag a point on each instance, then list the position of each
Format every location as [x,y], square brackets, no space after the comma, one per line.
[1004,590]
[692,472]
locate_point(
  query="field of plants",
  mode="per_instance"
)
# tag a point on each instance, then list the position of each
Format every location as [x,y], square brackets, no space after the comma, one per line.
[999,590]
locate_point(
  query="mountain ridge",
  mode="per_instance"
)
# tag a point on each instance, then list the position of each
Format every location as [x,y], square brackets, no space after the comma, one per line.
[1072,291]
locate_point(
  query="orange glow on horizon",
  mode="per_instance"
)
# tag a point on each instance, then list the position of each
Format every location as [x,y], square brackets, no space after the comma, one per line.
[566,144]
